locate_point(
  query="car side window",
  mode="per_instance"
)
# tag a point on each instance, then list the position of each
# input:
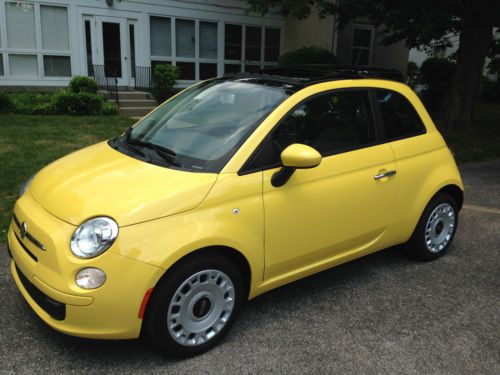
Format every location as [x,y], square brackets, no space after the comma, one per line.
[400,119]
[331,123]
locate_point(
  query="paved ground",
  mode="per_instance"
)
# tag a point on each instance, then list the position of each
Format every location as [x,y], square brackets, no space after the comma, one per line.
[381,314]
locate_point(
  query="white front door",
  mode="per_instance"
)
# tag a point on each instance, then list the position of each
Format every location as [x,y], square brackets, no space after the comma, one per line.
[112,49]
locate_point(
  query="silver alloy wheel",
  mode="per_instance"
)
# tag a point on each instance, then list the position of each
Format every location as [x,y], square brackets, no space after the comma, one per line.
[439,227]
[200,307]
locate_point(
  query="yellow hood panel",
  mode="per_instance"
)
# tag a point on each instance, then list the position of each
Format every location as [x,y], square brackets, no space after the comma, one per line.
[100,181]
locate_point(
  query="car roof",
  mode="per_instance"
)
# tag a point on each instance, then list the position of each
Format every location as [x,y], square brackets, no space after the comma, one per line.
[300,76]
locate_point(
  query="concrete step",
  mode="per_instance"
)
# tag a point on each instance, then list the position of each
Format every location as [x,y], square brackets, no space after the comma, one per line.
[135,111]
[125,103]
[134,95]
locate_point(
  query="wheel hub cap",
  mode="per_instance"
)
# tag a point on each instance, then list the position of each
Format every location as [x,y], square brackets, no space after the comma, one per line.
[201,307]
[439,227]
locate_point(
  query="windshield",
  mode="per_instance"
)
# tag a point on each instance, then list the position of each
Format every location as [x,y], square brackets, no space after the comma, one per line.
[201,128]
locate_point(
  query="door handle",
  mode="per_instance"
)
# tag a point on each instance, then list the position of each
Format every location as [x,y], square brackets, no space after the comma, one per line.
[385,174]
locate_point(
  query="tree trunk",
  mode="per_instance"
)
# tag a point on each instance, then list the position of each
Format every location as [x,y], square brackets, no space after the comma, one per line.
[475,38]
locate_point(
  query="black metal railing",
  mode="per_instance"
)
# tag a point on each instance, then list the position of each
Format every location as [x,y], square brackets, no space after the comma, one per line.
[107,80]
[144,79]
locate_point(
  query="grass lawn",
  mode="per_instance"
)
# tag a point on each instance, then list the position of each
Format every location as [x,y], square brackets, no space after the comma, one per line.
[27,143]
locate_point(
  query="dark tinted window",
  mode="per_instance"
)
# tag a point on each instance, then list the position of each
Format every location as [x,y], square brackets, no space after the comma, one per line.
[331,123]
[399,117]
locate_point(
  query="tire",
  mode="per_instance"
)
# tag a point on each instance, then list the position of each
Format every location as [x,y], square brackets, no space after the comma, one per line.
[194,305]
[433,235]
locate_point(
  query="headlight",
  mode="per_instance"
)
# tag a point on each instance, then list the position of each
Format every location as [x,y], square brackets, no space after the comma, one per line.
[93,237]
[24,186]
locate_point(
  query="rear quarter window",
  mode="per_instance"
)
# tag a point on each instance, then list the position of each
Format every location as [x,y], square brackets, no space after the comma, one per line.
[399,118]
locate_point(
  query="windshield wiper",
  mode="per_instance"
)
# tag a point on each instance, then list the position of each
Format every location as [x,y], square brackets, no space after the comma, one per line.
[129,145]
[167,154]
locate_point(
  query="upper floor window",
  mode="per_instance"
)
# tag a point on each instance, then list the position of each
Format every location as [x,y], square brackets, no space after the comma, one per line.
[331,123]
[399,117]
[362,45]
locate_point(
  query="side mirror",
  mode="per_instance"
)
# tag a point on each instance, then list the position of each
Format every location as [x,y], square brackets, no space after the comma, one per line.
[295,156]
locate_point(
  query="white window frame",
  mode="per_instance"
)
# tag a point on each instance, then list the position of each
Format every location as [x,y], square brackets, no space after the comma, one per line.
[220,61]
[38,51]
[371,28]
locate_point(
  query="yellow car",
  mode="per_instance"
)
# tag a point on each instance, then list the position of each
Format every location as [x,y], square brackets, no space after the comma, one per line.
[235,186]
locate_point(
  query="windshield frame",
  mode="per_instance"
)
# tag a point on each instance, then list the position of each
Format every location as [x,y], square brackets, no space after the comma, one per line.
[152,155]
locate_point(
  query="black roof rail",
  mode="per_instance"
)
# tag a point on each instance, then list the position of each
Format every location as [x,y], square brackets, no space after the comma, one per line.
[306,74]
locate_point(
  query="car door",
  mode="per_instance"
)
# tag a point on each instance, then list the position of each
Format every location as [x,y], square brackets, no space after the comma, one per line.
[339,208]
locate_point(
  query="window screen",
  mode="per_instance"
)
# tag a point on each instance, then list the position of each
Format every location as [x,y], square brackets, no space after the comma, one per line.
[331,123]
[253,43]
[54,28]
[184,38]
[399,117]
[1,65]
[208,40]
[272,45]
[20,18]
[161,36]
[233,42]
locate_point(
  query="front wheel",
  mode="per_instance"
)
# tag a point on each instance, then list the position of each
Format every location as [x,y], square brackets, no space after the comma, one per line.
[194,306]
[436,228]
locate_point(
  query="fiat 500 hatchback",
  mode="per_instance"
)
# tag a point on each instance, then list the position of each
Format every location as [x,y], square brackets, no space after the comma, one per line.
[233,187]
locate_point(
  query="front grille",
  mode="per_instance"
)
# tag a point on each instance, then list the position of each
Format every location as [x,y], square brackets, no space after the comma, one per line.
[33,256]
[55,309]
[26,234]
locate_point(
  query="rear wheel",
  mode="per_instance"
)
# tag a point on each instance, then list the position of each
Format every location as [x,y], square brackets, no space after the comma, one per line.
[194,306]
[436,228]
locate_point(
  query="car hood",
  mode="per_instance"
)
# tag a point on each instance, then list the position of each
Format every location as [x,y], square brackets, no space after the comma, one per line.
[100,181]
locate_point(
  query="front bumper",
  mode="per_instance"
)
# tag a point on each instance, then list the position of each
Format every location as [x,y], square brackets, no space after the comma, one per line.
[48,282]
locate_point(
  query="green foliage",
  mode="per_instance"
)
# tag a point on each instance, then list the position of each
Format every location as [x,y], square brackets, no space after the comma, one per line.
[307,55]
[494,66]
[109,109]
[413,74]
[25,102]
[83,84]
[436,75]
[164,76]
[82,103]
[6,104]
[47,108]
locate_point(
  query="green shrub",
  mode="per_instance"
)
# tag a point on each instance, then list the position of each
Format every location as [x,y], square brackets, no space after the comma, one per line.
[413,74]
[307,55]
[109,109]
[437,75]
[47,108]
[83,84]
[6,104]
[82,103]
[164,76]
[25,102]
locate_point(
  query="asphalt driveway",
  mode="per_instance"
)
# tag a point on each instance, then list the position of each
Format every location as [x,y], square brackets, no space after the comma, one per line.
[384,313]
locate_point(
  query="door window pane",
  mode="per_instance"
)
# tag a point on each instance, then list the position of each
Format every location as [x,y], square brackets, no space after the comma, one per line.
[23,65]
[360,57]
[112,49]
[272,44]
[253,43]
[208,70]
[330,123]
[161,36]
[88,47]
[187,70]
[1,65]
[399,116]
[54,28]
[232,42]
[208,40]
[131,31]
[20,25]
[252,68]
[57,66]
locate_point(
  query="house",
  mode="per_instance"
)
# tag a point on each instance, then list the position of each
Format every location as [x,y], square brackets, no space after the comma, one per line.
[44,43]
